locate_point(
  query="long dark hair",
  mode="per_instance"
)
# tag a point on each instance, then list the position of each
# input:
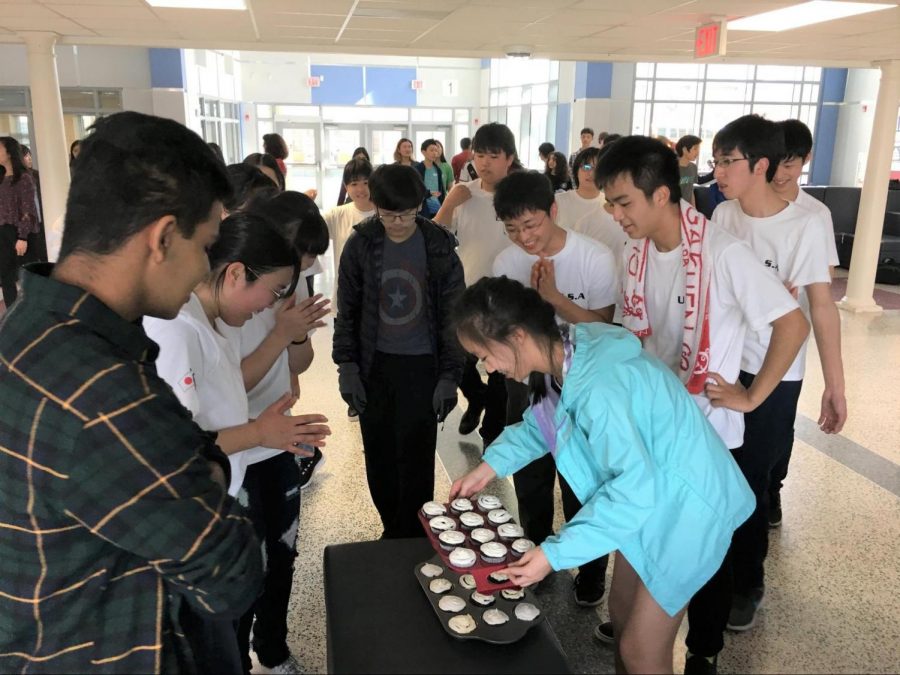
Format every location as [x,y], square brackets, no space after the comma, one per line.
[262,159]
[361,151]
[273,144]
[298,219]
[494,307]
[251,239]
[560,173]
[397,156]
[14,150]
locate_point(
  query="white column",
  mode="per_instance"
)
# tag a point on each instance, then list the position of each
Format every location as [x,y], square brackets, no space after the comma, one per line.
[873,200]
[50,135]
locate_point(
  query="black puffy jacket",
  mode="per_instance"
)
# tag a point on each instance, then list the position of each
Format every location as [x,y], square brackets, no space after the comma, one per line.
[359,283]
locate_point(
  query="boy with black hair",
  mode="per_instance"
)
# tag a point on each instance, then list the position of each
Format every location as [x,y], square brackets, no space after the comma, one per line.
[692,292]
[546,149]
[106,479]
[398,365]
[430,172]
[586,198]
[688,149]
[587,137]
[576,275]
[787,239]
[469,213]
[458,161]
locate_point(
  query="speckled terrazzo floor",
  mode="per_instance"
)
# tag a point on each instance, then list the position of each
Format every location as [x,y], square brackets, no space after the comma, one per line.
[833,569]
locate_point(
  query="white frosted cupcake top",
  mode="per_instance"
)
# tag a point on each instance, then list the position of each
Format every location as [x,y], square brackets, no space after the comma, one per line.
[499,516]
[431,570]
[461,504]
[512,593]
[462,624]
[439,586]
[495,617]
[522,545]
[462,557]
[489,502]
[471,519]
[452,538]
[452,603]
[483,535]
[432,509]
[527,612]
[442,523]
[483,599]
[467,581]
[510,531]
[493,549]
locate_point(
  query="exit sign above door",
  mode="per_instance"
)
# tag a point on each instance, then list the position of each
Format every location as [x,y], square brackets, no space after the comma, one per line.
[709,40]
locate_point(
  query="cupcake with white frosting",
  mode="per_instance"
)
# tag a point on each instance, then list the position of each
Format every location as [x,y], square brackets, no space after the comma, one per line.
[432,509]
[470,520]
[482,535]
[452,603]
[483,599]
[431,570]
[512,594]
[467,581]
[462,557]
[498,516]
[495,617]
[488,503]
[439,586]
[451,539]
[510,531]
[461,505]
[442,524]
[493,552]
[521,546]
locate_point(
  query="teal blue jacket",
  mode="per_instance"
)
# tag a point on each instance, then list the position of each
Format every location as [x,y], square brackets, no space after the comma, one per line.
[655,481]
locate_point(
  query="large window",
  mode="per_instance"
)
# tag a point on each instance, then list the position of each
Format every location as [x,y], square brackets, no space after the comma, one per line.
[523,96]
[220,121]
[675,99]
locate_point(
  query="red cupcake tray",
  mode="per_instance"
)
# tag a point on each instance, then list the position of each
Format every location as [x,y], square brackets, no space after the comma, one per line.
[480,570]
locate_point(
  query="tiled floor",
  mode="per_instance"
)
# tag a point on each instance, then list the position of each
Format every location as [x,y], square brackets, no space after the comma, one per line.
[833,569]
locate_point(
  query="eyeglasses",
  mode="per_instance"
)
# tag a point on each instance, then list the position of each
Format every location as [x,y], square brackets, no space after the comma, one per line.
[725,162]
[518,232]
[279,294]
[587,167]
[403,218]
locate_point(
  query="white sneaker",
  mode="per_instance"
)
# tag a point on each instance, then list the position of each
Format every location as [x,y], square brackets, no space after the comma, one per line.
[288,667]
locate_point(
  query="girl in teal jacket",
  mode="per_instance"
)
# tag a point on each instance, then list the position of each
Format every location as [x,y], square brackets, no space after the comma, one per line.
[655,482]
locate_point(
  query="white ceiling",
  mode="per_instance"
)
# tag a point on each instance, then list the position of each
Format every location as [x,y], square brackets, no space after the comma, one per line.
[598,30]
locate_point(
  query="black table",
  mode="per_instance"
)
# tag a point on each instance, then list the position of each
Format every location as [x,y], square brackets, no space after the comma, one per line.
[379,620]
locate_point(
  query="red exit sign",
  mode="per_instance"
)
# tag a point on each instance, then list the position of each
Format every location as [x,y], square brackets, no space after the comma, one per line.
[709,40]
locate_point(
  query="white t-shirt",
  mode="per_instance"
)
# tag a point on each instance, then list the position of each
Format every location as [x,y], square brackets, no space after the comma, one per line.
[480,232]
[601,226]
[743,296]
[584,268]
[340,221]
[810,203]
[205,374]
[572,207]
[790,245]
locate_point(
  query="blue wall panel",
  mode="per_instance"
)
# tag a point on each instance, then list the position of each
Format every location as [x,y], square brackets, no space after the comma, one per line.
[834,84]
[166,69]
[593,79]
[390,86]
[341,85]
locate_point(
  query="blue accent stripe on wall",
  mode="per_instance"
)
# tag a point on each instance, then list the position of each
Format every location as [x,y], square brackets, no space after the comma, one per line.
[581,73]
[341,85]
[390,86]
[831,90]
[166,69]
[599,80]
[485,63]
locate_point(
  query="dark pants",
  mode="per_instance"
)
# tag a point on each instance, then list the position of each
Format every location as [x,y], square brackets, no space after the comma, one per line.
[534,490]
[273,491]
[768,438]
[708,610]
[213,641]
[491,397]
[399,433]
[9,263]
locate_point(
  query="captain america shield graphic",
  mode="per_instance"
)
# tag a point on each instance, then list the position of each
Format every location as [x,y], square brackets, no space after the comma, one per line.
[401,298]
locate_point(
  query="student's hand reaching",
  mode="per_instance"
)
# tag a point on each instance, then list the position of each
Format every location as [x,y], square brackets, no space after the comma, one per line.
[724,394]
[472,482]
[529,569]
[289,432]
[543,280]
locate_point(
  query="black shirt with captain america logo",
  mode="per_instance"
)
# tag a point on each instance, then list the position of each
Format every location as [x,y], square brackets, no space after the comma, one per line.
[403,321]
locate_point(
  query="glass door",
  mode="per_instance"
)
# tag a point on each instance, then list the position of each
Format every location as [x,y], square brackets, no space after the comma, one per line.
[442,134]
[303,156]
[382,141]
[340,142]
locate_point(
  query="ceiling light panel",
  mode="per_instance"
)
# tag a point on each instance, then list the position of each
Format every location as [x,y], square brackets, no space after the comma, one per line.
[805,14]
[199,4]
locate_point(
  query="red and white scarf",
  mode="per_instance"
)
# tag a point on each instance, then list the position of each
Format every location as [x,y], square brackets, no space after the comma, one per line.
[697,269]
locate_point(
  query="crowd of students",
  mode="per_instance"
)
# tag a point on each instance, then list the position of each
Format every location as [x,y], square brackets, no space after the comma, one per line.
[647,357]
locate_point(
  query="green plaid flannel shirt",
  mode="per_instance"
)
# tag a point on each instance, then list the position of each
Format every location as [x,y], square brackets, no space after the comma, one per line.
[111,524]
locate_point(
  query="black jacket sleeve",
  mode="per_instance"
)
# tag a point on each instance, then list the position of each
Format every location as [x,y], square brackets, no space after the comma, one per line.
[346,346]
[451,357]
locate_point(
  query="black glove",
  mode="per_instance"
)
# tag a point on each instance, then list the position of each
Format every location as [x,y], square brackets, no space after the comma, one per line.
[444,399]
[351,386]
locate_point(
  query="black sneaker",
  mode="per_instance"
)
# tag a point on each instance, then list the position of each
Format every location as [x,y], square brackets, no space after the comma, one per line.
[775,509]
[352,415]
[309,466]
[604,633]
[588,593]
[743,609]
[470,419]
[695,664]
